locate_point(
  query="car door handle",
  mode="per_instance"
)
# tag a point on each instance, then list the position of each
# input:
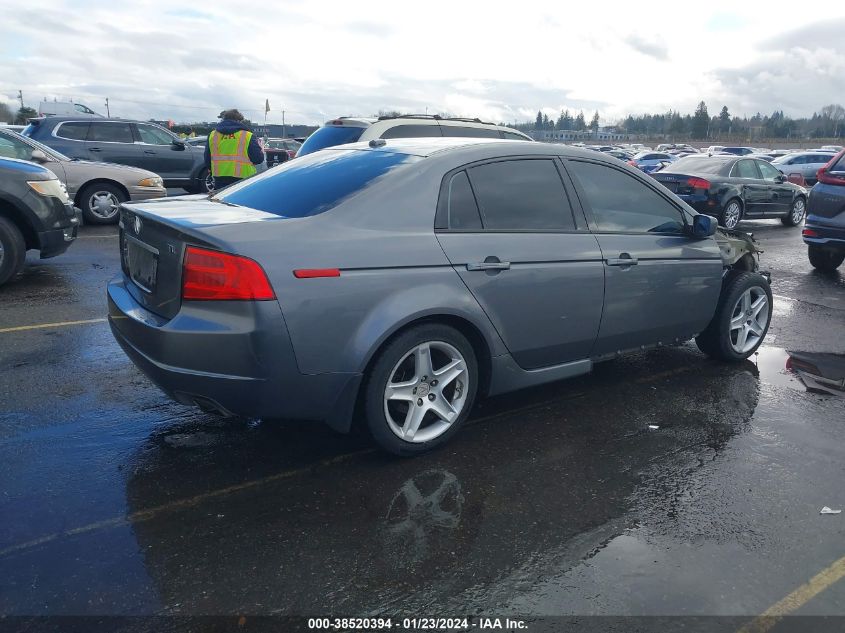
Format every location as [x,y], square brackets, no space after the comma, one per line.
[94,149]
[624,259]
[489,266]
[149,151]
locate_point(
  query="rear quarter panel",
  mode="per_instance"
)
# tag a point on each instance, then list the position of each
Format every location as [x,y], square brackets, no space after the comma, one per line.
[393,271]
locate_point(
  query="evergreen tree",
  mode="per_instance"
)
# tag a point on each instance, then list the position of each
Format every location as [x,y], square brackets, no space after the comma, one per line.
[580,124]
[594,122]
[24,114]
[539,124]
[724,120]
[700,121]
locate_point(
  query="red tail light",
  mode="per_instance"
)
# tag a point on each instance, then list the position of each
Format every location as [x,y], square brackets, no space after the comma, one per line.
[215,276]
[809,233]
[698,183]
[825,177]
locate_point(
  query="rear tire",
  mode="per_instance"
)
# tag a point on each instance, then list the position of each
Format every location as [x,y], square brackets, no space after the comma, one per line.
[12,250]
[824,260]
[741,320]
[100,203]
[410,382]
[731,214]
[796,212]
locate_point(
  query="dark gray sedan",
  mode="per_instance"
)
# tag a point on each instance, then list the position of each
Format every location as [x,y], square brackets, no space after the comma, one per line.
[402,279]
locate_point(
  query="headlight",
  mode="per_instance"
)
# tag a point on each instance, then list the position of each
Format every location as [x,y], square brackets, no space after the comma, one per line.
[53,188]
[155,181]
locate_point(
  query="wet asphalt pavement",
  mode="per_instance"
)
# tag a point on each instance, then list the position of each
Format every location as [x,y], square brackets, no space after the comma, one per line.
[560,500]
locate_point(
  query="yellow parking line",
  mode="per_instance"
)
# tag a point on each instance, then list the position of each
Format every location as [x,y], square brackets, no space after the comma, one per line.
[798,598]
[21,328]
[150,513]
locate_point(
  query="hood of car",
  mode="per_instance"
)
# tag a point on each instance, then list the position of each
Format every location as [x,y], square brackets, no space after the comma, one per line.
[120,172]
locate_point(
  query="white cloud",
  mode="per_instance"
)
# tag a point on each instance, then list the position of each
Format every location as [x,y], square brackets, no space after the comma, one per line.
[189,60]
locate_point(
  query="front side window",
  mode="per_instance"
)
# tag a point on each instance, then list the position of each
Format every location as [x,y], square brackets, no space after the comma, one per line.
[522,195]
[622,203]
[110,132]
[81,108]
[10,147]
[412,131]
[745,169]
[152,135]
[73,130]
[769,172]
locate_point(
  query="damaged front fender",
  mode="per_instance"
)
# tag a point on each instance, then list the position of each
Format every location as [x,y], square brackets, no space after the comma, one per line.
[740,251]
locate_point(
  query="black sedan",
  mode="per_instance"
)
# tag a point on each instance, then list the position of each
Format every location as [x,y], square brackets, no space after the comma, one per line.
[732,188]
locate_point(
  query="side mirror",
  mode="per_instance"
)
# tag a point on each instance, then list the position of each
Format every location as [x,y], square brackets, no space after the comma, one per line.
[703,226]
[178,145]
[780,178]
[39,156]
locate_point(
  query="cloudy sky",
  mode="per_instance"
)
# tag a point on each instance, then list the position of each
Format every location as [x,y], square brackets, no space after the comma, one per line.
[498,60]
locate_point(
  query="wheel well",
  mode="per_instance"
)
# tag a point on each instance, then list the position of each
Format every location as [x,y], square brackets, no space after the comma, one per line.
[77,199]
[10,212]
[465,327]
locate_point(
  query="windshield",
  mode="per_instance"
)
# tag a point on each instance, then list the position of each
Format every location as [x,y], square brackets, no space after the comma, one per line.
[329,136]
[312,185]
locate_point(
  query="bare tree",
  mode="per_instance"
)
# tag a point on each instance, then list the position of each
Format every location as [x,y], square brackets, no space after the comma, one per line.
[835,113]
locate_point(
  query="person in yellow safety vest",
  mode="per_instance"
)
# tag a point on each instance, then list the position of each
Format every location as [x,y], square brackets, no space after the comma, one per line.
[232,150]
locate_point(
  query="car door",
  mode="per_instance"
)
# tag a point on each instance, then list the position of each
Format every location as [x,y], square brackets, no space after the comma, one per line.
[170,161]
[755,191]
[509,231]
[112,142]
[660,284]
[780,191]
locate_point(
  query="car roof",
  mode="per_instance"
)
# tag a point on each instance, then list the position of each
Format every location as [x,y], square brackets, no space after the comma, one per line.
[430,146]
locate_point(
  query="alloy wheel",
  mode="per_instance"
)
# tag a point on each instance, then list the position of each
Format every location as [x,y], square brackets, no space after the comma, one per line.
[426,391]
[749,319]
[732,213]
[798,209]
[103,204]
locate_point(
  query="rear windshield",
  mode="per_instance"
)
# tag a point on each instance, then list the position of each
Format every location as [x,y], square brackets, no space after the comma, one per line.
[314,184]
[329,136]
[697,164]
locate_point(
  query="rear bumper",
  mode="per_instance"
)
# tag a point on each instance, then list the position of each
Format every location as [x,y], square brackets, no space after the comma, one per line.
[234,358]
[702,203]
[831,237]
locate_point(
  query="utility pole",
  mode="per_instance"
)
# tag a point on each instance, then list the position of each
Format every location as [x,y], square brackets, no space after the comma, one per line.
[20,96]
[283,125]
[108,114]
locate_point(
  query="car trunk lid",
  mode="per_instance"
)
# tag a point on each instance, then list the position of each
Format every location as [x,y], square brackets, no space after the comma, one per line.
[154,236]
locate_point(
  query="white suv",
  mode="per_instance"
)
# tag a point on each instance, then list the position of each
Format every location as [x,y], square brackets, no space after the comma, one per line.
[352,129]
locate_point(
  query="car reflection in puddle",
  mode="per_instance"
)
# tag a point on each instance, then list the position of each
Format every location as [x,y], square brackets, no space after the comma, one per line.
[817,372]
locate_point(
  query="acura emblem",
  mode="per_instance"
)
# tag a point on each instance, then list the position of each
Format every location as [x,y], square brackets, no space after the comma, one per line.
[137,225]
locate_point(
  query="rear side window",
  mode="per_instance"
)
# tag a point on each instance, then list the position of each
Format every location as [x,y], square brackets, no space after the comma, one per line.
[314,184]
[521,195]
[111,132]
[412,131]
[512,136]
[839,166]
[73,130]
[462,209]
[330,136]
[745,169]
[622,203]
[473,132]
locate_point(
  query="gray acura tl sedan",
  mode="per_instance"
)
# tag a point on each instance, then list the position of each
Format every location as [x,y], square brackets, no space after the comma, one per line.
[402,279]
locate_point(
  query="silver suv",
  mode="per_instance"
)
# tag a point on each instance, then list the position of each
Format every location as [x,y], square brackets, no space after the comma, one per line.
[352,129]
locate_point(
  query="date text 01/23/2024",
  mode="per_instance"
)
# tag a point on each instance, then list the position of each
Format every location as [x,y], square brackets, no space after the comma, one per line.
[416,624]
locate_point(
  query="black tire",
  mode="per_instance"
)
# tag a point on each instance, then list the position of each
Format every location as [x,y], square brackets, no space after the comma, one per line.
[12,250]
[203,184]
[724,220]
[381,372]
[716,339]
[796,215]
[824,259]
[110,194]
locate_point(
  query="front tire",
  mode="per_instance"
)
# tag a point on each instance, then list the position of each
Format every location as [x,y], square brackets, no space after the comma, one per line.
[741,321]
[12,250]
[420,389]
[731,214]
[823,259]
[100,203]
[796,212]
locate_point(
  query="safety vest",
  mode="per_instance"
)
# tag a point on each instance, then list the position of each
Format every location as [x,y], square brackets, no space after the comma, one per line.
[229,155]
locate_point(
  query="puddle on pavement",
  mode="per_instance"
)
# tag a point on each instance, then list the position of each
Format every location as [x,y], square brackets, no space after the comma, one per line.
[820,373]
